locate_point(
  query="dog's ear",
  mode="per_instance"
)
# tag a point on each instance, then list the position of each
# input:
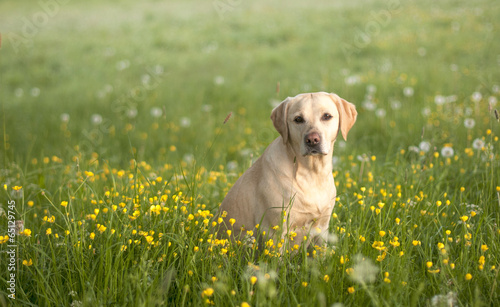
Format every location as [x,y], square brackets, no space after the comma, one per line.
[347,112]
[278,116]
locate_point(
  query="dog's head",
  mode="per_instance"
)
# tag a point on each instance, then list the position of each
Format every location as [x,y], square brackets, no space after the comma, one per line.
[311,122]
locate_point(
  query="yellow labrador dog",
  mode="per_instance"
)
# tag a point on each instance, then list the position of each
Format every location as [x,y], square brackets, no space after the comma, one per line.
[290,188]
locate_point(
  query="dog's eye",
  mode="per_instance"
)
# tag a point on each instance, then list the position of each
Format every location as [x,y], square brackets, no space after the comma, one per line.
[299,119]
[326,116]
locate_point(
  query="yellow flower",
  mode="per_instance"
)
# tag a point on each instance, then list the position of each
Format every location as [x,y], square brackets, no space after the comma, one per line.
[398,220]
[416,242]
[379,245]
[464,218]
[468,276]
[395,242]
[232,221]
[381,233]
[326,278]
[304,284]
[351,290]
[253,280]
[64,204]
[27,232]
[92,236]
[207,292]
[17,188]
[484,247]
[149,239]
[101,228]
[28,262]
[245,304]
[48,231]
[31,203]
[440,245]
[429,264]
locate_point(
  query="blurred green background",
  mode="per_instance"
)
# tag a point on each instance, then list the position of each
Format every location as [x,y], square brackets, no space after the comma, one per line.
[156,79]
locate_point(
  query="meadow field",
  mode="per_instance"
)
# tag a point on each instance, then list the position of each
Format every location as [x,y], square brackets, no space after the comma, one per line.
[124,124]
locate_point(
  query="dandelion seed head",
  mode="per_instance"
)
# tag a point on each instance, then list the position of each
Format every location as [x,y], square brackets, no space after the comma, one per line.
[478,144]
[35,92]
[364,271]
[156,112]
[96,119]
[219,80]
[439,100]
[19,92]
[122,65]
[64,117]
[424,146]
[352,80]
[395,104]
[380,113]
[492,101]
[185,122]
[447,152]
[469,123]
[476,97]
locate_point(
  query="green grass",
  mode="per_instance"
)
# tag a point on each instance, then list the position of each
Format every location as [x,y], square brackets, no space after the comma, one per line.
[144,179]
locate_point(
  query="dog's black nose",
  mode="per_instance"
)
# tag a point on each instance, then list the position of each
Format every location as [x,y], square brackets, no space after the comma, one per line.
[312,139]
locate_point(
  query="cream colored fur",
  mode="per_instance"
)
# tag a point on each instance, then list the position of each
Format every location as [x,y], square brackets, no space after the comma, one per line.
[293,175]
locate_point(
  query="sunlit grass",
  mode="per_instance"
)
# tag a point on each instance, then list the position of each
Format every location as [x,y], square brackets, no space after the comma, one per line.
[117,150]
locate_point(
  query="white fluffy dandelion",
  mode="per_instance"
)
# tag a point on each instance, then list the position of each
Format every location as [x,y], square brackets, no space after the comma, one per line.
[64,117]
[380,113]
[352,80]
[424,146]
[469,123]
[492,100]
[439,100]
[132,113]
[35,92]
[476,97]
[19,92]
[363,271]
[408,91]
[219,80]
[156,112]
[478,144]
[447,152]
[185,122]
[96,119]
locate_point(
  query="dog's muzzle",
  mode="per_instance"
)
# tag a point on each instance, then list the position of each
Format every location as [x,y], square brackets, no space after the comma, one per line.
[313,144]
